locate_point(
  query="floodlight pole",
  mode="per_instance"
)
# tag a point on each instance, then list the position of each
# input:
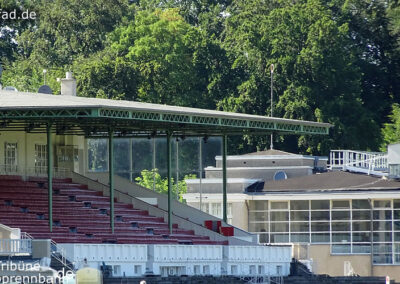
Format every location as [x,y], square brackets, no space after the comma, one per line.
[272,67]
[224,178]
[50,175]
[169,181]
[111,175]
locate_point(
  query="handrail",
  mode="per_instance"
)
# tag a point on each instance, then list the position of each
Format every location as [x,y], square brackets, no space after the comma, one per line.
[62,252]
[366,162]
[15,246]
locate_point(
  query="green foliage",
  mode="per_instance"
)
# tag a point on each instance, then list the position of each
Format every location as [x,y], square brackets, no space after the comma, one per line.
[391,130]
[336,61]
[152,179]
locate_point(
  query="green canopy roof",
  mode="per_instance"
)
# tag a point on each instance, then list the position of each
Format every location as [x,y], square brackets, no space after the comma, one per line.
[91,116]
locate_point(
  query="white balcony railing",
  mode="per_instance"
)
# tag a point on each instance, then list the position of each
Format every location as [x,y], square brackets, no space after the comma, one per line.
[15,246]
[34,171]
[358,161]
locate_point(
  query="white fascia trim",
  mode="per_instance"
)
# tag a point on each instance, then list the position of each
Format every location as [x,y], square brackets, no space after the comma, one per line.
[219,180]
[270,157]
[259,168]
[195,197]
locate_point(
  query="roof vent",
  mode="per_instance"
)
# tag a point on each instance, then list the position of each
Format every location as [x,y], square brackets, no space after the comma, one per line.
[68,85]
[10,88]
[45,90]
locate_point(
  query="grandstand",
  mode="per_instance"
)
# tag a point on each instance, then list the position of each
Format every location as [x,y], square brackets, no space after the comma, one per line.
[47,193]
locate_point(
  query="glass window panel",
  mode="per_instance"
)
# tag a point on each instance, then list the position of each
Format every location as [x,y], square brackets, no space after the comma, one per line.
[320,227]
[382,258]
[340,204]
[383,237]
[340,226]
[360,204]
[382,248]
[319,204]
[382,204]
[361,226]
[397,258]
[299,216]
[396,203]
[258,205]
[280,227]
[263,238]
[361,237]
[279,238]
[361,215]
[258,216]
[382,215]
[320,238]
[258,227]
[396,214]
[279,216]
[396,225]
[340,237]
[320,215]
[299,205]
[397,237]
[340,215]
[396,248]
[300,238]
[341,249]
[382,226]
[97,155]
[357,248]
[279,205]
[299,227]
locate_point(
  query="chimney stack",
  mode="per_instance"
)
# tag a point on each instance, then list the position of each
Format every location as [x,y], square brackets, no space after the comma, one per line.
[68,85]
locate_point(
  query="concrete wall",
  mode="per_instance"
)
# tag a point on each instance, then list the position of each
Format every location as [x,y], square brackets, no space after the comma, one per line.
[326,263]
[185,216]
[259,173]
[266,161]
[26,149]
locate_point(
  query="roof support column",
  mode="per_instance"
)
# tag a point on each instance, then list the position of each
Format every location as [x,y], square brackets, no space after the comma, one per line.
[111,175]
[50,175]
[169,173]
[224,177]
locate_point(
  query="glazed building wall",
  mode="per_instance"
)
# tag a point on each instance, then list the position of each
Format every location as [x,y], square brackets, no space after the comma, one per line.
[344,225]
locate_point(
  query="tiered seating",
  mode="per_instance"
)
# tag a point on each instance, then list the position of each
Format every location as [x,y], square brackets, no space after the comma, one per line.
[81,215]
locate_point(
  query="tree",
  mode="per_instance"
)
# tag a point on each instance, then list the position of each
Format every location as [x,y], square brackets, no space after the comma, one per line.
[152,178]
[391,130]
[316,78]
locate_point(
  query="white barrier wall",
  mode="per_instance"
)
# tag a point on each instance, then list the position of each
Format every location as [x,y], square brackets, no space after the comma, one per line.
[135,260]
[257,260]
[186,260]
[125,259]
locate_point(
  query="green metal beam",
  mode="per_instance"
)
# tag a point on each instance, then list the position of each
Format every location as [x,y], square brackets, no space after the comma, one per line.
[102,118]
[169,174]
[50,175]
[111,176]
[224,178]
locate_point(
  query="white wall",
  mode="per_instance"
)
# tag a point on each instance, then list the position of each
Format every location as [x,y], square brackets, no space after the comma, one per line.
[183,259]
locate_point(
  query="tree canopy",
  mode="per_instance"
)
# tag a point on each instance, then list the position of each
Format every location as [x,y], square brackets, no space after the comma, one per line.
[336,61]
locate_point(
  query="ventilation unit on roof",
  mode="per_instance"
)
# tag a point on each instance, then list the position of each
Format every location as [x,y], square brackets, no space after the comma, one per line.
[45,90]
[10,88]
[280,175]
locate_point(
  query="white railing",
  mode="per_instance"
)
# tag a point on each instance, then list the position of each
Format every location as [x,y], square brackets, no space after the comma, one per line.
[359,161]
[15,246]
[34,171]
